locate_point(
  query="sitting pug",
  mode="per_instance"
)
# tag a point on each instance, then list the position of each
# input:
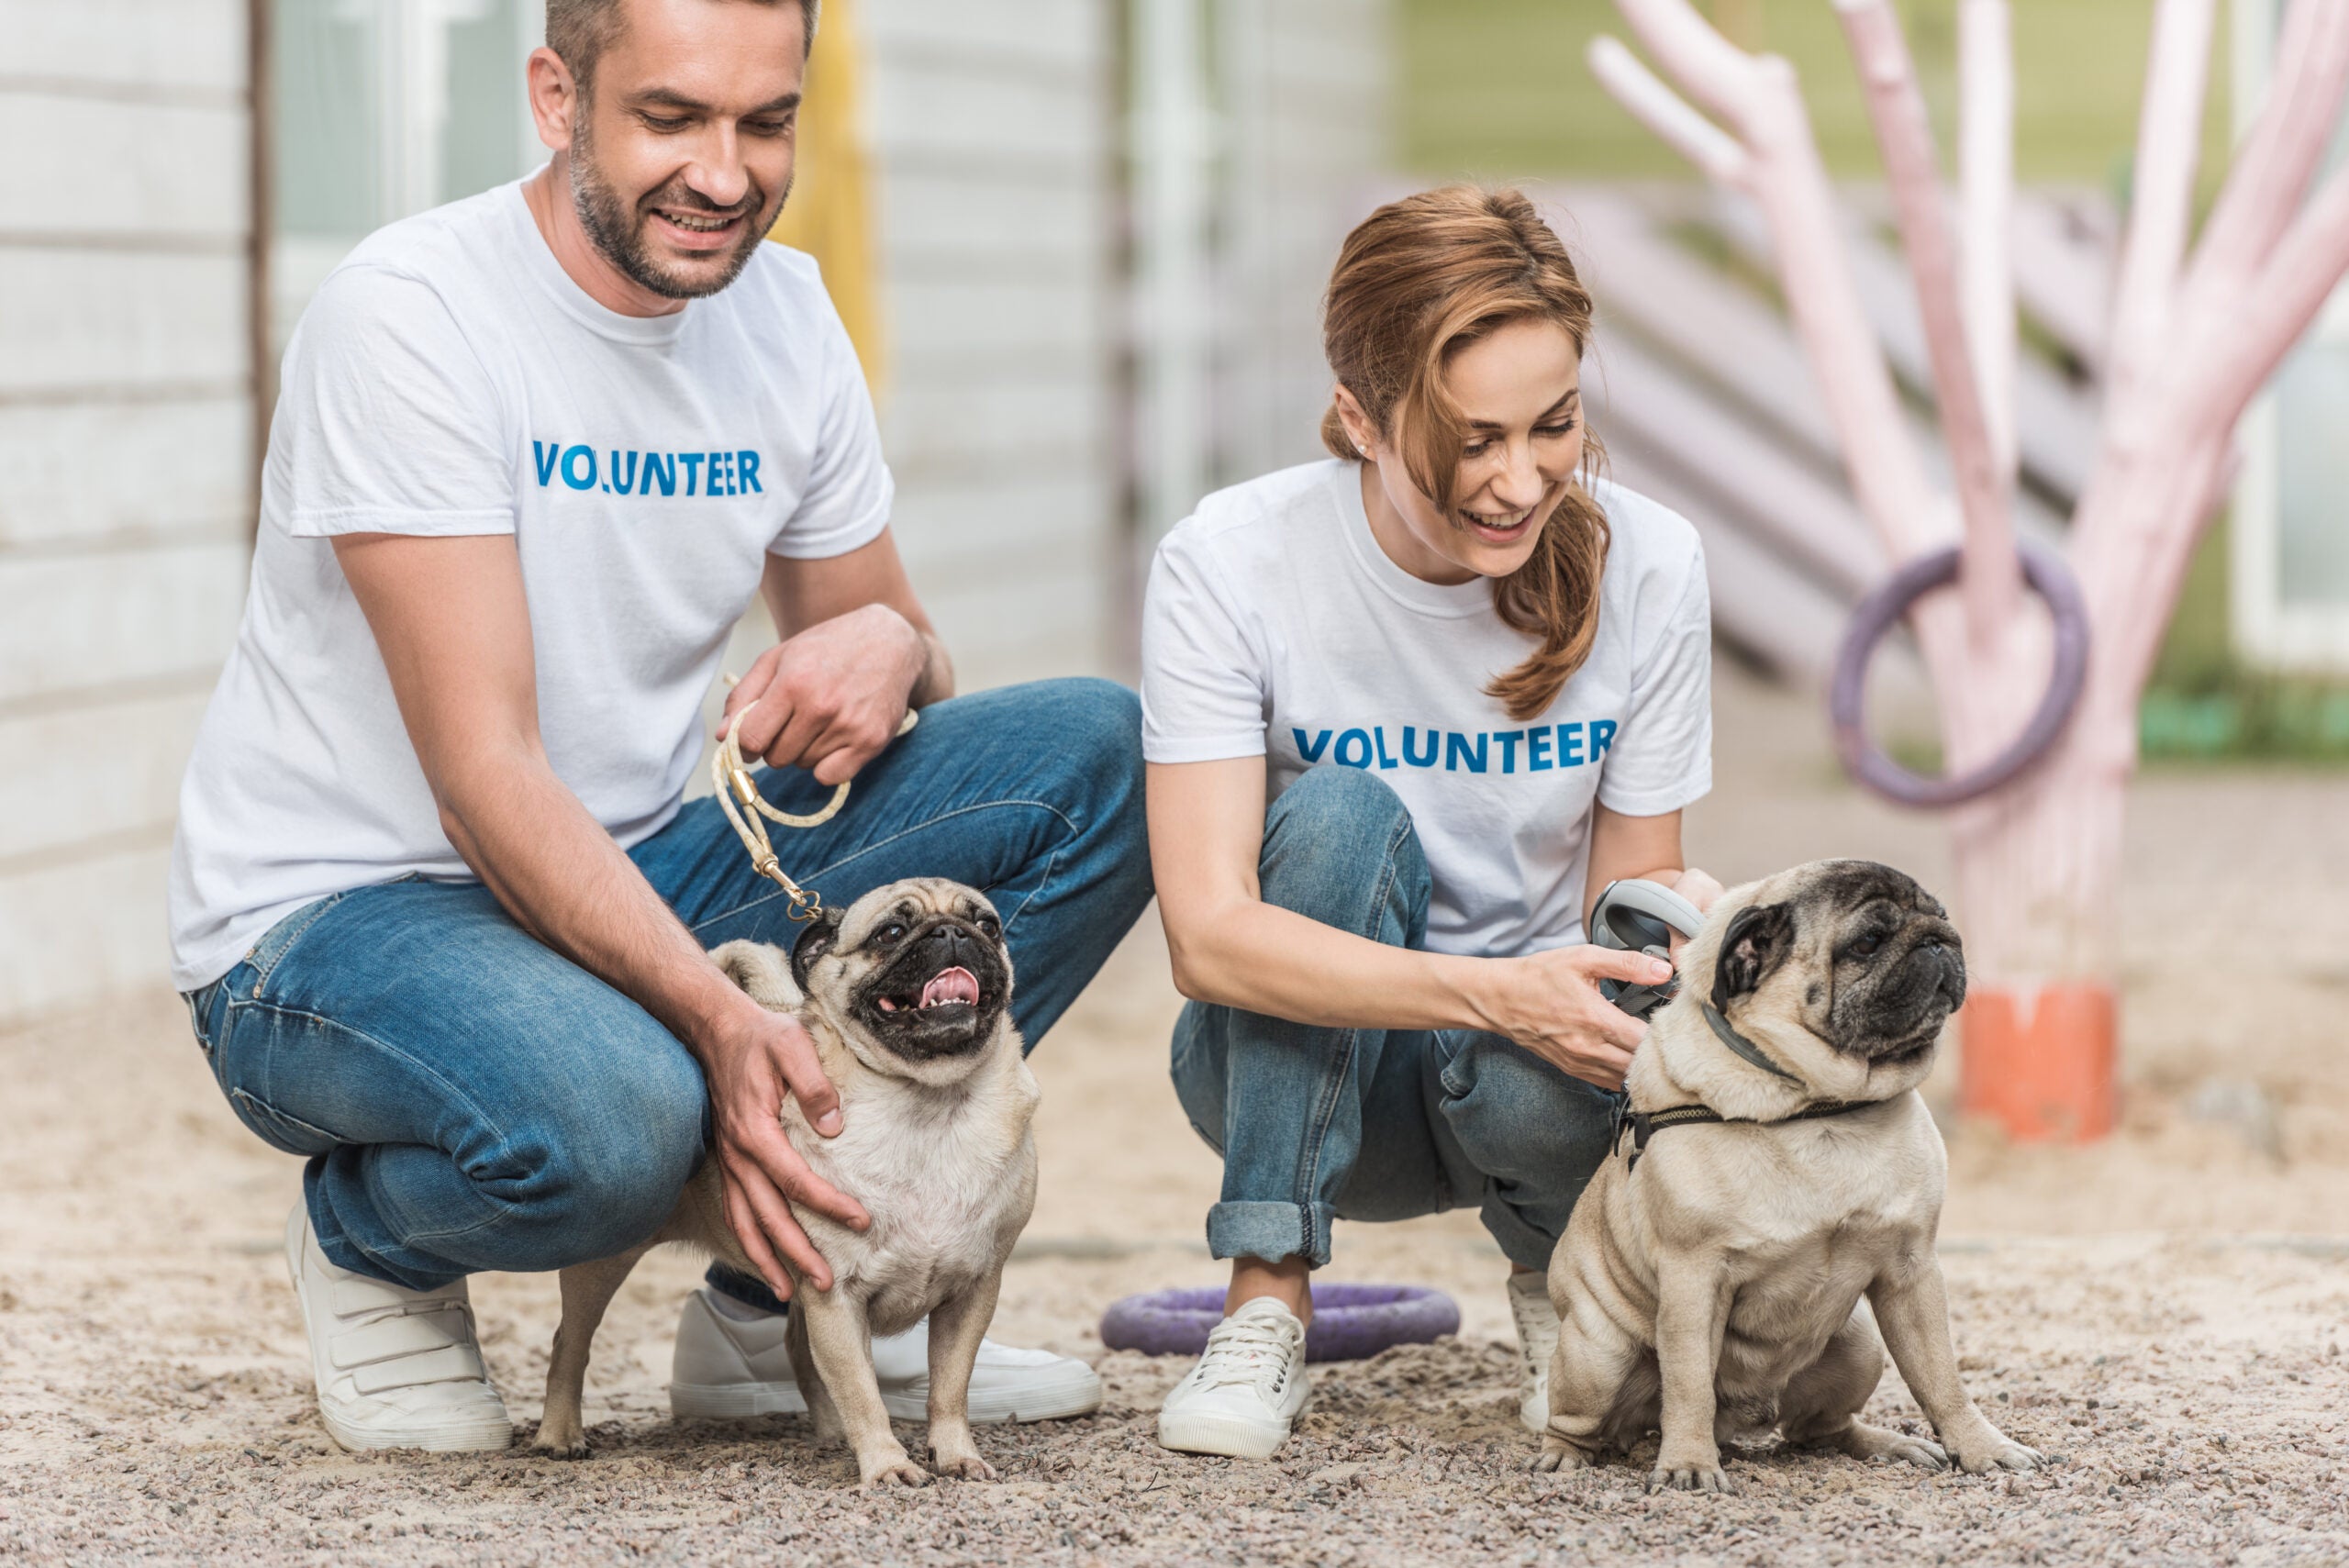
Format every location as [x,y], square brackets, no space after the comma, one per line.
[905,997]
[1775,1167]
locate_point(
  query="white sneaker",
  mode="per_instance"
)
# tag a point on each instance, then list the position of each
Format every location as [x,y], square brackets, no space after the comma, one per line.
[1537,1341]
[731,1362]
[1246,1391]
[396,1368]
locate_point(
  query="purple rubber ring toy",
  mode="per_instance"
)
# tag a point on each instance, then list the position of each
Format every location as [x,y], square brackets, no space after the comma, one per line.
[2051,580]
[1351,1322]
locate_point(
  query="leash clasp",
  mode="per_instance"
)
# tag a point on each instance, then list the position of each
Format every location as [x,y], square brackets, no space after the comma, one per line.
[1638,1124]
[739,798]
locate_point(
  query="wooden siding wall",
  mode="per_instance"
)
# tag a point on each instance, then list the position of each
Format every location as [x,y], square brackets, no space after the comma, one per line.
[126,378]
[993,139]
[125,450]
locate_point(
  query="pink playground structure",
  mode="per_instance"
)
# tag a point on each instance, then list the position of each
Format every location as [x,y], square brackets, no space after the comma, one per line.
[2036,803]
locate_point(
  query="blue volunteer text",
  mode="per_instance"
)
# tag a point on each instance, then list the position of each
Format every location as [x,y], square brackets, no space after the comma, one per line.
[639,472]
[1497,751]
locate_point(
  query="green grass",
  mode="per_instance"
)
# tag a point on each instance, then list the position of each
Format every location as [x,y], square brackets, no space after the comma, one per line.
[2270,719]
[2203,704]
[1498,90]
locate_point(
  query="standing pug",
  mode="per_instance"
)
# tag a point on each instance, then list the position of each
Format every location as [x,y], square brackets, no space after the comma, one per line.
[1776,1166]
[907,998]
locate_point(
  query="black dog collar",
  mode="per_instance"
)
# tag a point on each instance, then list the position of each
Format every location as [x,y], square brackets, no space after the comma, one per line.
[1743,1046]
[1643,1125]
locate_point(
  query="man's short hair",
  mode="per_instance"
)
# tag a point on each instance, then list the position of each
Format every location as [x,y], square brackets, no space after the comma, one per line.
[581,30]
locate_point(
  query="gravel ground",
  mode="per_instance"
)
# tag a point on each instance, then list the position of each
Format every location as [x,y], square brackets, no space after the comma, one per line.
[2165,1312]
[2190,1389]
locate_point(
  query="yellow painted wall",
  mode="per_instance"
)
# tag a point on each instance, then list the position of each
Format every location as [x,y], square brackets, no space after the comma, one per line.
[830,213]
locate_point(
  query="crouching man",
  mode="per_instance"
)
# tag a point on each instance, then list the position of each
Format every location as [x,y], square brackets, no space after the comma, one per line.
[439,911]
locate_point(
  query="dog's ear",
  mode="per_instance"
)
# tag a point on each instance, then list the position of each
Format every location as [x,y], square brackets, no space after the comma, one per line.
[1758,940]
[821,934]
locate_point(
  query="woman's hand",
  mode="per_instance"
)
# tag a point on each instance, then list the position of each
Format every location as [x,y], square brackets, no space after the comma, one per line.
[1697,886]
[1549,1003]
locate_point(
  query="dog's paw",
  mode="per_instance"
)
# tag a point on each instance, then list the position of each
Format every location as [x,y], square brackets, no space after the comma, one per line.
[1915,1451]
[1559,1455]
[1996,1451]
[900,1471]
[965,1467]
[560,1442]
[1689,1478]
[1866,1443]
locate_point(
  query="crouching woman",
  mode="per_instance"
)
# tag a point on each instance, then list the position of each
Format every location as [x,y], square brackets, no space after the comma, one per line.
[1406,711]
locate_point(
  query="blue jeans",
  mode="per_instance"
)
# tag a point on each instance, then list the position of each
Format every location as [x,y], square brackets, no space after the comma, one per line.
[469,1099]
[1316,1123]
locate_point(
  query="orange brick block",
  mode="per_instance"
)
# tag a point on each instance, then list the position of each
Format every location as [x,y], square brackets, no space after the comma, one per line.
[2042,1065]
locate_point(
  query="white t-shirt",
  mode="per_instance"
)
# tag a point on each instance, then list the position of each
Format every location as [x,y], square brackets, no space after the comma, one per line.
[1277,626]
[449,378]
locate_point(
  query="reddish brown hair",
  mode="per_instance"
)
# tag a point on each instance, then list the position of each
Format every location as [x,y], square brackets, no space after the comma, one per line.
[1418,281]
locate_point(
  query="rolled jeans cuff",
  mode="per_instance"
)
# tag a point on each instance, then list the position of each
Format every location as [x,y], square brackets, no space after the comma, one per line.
[1271,1231]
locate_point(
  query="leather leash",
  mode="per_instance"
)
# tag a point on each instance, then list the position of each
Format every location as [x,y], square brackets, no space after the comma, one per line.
[739,797]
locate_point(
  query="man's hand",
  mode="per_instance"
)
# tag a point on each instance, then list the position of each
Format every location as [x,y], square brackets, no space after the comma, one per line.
[453,624]
[830,698]
[750,1065]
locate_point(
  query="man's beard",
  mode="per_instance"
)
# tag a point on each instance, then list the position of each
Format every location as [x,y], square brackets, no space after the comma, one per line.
[619,233]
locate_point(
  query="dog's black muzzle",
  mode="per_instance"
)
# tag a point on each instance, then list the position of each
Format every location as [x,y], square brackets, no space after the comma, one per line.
[1900,1015]
[891,1005]
[950,945]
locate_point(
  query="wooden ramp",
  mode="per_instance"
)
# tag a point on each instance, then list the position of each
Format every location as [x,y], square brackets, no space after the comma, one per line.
[1701,393]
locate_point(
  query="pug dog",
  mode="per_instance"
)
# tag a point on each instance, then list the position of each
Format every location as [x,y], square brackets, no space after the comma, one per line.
[905,996]
[1764,1231]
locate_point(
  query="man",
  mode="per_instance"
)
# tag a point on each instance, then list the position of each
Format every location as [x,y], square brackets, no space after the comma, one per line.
[440,915]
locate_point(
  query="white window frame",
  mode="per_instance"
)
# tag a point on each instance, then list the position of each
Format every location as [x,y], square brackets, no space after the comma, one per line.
[411,74]
[2266,630]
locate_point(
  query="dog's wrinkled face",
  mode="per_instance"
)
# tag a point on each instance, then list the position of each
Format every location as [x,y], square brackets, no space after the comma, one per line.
[1861,956]
[918,969]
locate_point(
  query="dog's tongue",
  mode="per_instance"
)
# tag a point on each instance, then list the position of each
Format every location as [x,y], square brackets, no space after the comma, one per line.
[956,984]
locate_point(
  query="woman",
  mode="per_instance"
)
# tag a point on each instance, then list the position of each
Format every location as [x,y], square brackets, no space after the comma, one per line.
[1472,681]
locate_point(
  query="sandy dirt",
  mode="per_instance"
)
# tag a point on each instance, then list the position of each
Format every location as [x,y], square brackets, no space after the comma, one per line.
[2165,1312]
